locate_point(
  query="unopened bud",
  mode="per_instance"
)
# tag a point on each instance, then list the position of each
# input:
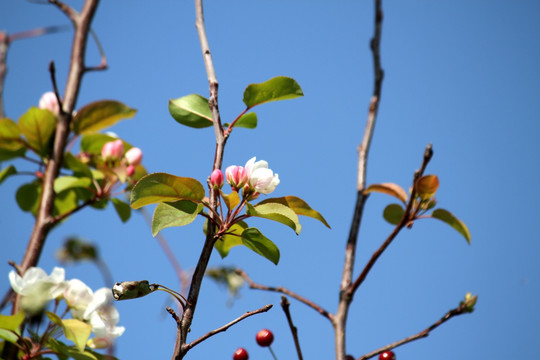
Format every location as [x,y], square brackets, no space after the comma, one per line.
[50,102]
[112,150]
[134,156]
[132,289]
[216,179]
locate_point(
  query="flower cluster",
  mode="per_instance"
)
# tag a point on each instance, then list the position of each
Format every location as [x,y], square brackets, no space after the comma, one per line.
[114,156]
[36,288]
[254,178]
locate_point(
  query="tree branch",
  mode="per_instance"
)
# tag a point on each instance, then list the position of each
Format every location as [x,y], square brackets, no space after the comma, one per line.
[181,348]
[285,304]
[44,219]
[283,290]
[227,326]
[340,319]
[463,308]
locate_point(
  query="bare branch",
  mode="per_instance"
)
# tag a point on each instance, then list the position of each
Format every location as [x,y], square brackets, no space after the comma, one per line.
[461,309]
[363,149]
[283,290]
[227,326]
[285,304]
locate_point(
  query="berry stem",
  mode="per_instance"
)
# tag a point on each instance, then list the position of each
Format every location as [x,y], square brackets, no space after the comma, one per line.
[272,352]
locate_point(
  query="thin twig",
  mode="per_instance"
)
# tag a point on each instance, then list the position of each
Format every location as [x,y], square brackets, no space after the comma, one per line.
[461,309]
[285,304]
[406,218]
[226,326]
[181,348]
[363,149]
[283,290]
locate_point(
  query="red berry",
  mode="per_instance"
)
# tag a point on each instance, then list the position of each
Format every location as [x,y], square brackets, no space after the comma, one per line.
[240,354]
[264,337]
[349,357]
[387,355]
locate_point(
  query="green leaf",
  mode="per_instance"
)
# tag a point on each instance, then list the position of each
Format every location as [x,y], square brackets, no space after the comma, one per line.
[93,143]
[77,331]
[278,88]
[299,206]
[100,115]
[191,110]
[10,326]
[27,197]
[10,136]
[70,182]
[254,240]
[231,239]
[37,126]
[389,189]
[248,121]
[178,213]
[71,352]
[393,213]
[450,219]
[7,172]
[65,202]
[77,166]
[162,187]
[277,212]
[122,209]
[226,276]
[231,200]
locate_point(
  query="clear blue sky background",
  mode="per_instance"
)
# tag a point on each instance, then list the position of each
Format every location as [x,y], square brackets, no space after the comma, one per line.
[462,75]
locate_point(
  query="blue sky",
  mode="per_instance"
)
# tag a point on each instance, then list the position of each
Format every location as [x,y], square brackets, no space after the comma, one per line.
[461,75]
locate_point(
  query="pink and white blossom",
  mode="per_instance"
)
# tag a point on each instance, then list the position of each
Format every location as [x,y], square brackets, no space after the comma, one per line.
[37,288]
[134,156]
[261,179]
[50,102]
[112,150]
[236,176]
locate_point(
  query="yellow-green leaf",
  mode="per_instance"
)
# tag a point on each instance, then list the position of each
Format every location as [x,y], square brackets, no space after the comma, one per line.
[393,213]
[37,126]
[231,239]
[178,213]
[450,219]
[278,88]
[277,212]
[77,331]
[100,115]
[231,200]
[299,206]
[162,187]
[191,110]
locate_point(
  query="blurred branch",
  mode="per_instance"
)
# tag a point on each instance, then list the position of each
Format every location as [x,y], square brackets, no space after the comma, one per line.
[285,304]
[181,348]
[226,326]
[6,40]
[44,219]
[363,149]
[283,290]
[463,308]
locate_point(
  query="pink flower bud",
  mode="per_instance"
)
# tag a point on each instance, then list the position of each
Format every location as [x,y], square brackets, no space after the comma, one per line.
[50,102]
[216,179]
[134,156]
[112,150]
[130,170]
[236,176]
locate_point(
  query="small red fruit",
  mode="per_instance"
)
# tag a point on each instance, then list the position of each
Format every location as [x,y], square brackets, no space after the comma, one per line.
[387,355]
[264,337]
[240,354]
